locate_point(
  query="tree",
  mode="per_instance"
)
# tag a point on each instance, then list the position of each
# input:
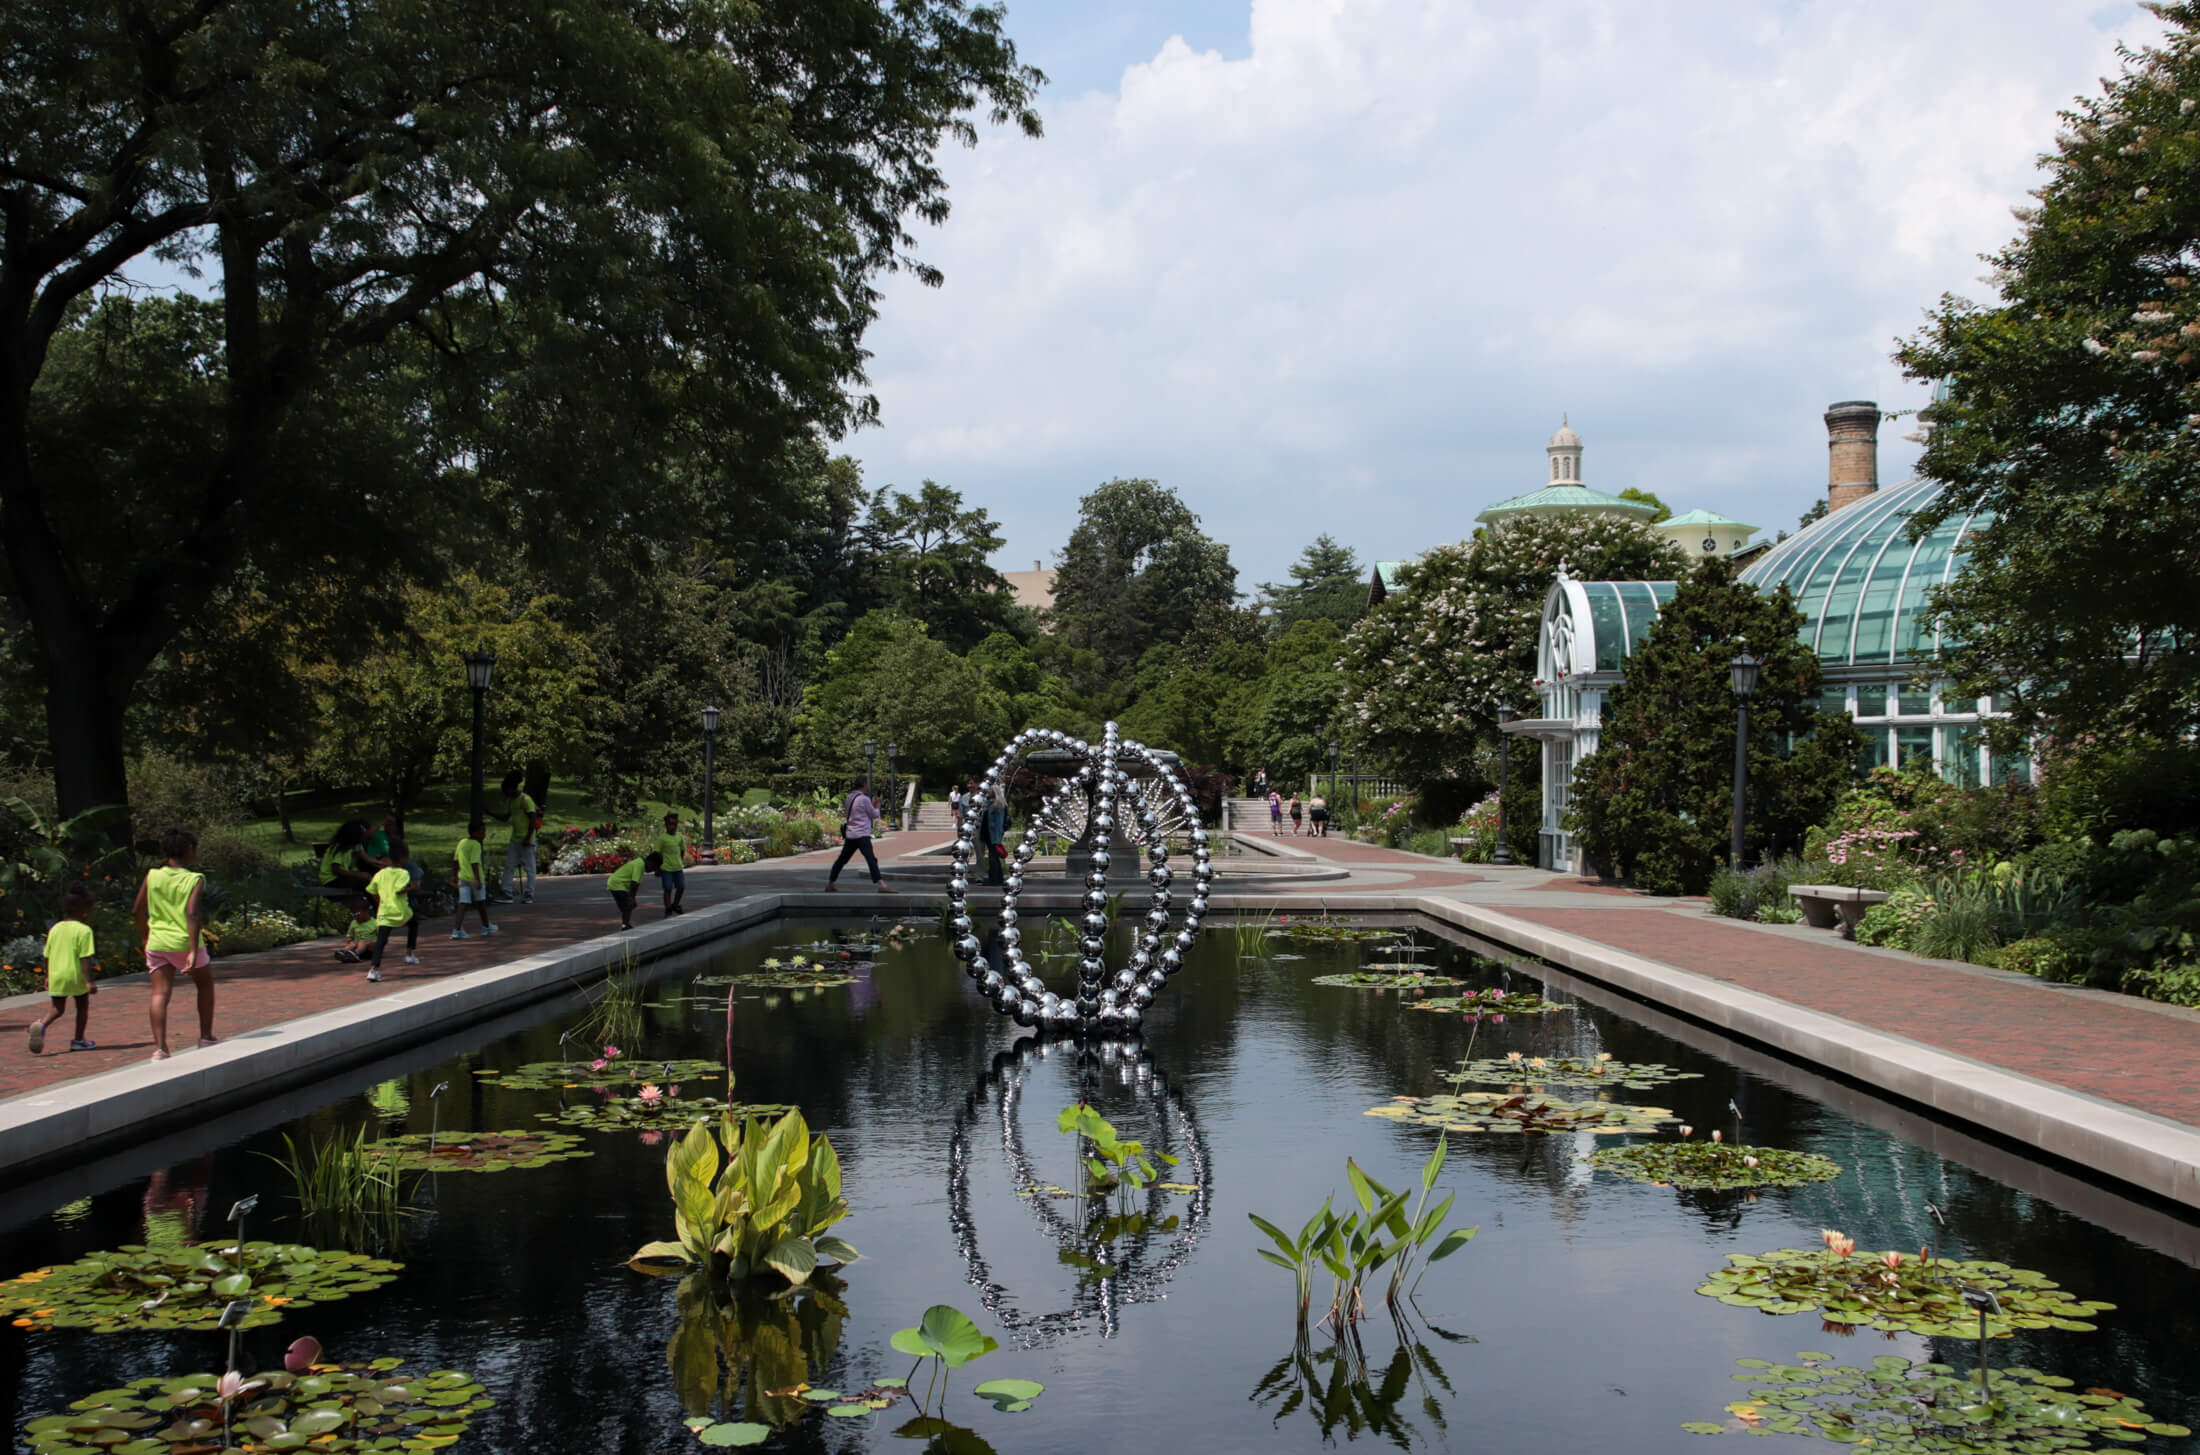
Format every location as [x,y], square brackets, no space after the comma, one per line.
[1137,570]
[931,554]
[1426,671]
[2069,417]
[1644,497]
[1283,723]
[624,235]
[1325,585]
[890,681]
[1654,802]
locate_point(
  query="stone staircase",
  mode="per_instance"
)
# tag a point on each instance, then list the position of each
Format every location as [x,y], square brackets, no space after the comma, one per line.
[933,815]
[1245,815]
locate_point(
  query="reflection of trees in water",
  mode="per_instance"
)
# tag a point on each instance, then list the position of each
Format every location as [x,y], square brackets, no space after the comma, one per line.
[1122,1254]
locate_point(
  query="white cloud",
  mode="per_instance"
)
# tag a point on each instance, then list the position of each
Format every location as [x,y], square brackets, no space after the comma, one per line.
[1348,280]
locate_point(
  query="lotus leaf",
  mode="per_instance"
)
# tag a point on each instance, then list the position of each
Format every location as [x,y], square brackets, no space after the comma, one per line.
[625,1071]
[1716,1165]
[338,1408]
[1930,1409]
[1897,1292]
[1384,978]
[172,1287]
[1012,1396]
[1493,1002]
[1519,1070]
[1496,1111]
[947,1334]
[480,1151]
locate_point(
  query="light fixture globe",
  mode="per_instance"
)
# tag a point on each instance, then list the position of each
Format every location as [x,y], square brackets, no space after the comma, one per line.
[710,719]
[480,670]
[1745,669]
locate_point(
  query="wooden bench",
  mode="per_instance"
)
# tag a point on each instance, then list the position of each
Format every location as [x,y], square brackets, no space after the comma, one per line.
[1826,906]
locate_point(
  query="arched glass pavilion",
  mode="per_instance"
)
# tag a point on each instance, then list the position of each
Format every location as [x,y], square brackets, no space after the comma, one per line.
[1861,584]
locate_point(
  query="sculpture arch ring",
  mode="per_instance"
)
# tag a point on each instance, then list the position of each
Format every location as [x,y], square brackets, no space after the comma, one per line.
[1106,1000]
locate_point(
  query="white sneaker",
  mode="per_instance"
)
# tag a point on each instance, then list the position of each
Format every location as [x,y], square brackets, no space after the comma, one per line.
[458,934]
[528,897]
[374,977]
[488,929]
[412,959]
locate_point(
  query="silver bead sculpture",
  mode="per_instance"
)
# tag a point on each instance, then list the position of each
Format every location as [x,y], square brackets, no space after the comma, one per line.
[1148,810]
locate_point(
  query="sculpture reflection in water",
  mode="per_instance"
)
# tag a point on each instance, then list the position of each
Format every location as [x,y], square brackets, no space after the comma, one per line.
[1126,1246]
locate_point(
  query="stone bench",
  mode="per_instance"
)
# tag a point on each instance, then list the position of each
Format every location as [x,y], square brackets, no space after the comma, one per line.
[1821,903]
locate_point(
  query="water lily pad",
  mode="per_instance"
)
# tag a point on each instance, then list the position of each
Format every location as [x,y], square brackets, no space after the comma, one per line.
[480,1151]
[1380,977]
[622,1113]
[1522,1070]
[339,1408]
[1331,932]
[172,1287]
[1930,1409]
[1716,1165]
[1010,1395]
[807,978]
[734,1433]
[620,1072]
[1497,1111]
[837,950]
[1896,1292]
[1492,1002]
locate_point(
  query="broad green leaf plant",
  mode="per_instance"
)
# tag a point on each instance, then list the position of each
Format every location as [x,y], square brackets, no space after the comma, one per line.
[749,1199]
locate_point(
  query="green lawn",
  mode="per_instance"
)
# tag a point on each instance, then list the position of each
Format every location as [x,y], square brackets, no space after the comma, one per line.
[438,821]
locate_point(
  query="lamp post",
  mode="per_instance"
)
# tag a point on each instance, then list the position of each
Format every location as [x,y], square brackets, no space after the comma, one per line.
[1332,777]
[1744,668]
[480,669]
[870,754]
[710,825]
[893,796]
[1502,854]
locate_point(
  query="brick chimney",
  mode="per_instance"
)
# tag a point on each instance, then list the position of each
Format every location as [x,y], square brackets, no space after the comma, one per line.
[1852,442]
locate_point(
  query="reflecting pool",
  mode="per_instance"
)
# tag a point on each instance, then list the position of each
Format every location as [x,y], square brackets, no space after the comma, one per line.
[1571,1323]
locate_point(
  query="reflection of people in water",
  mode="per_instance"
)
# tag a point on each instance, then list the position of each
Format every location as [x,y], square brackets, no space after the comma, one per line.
[175,1198]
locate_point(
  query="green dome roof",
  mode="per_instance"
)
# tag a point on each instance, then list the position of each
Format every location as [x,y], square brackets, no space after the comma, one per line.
[1861,582]
[1566,497]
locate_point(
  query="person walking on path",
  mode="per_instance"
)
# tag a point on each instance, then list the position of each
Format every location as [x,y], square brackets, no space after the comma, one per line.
[68,947]
[1275,813]
[859,817]
[1296,810]
[472,880]
[993,837]
[393,889]
[171,926]
[1317,814]
[672,869]
[955,805]
[525,817]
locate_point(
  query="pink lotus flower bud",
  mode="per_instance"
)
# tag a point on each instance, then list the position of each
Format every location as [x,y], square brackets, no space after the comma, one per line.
[1749,1161]
[1718,1136]
[1687,1131]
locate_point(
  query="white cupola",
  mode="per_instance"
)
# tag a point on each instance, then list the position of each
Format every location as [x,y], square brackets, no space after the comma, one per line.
[1565,452]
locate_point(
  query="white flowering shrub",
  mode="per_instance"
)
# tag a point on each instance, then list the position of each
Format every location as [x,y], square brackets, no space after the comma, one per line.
[253,927]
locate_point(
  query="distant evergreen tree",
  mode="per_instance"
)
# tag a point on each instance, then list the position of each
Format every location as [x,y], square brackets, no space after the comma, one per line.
[1325,585]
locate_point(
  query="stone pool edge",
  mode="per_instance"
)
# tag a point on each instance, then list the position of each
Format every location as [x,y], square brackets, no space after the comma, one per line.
[133,1103]
[2152,1153]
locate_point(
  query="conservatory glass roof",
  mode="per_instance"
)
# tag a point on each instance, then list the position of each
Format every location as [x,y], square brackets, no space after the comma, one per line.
[1861,582]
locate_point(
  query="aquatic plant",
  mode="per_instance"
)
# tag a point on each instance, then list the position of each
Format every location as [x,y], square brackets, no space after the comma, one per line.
[186,1286]
[1717,1166]
[1252,934]
[615,1017]
[1517,1069]
[622,1071]
[651,1107]
[1493,1002]
[348,1187]
[800,973]
[338,1408]
[1896,1292]
[836,950]
[1326,931]
[948,1337]
[480,1151]
[1930,1409]
[1115,1162]
[762,1203]
[1383,977]
[1495,1111]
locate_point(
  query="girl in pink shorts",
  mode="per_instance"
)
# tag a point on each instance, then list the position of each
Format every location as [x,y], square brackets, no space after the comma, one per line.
[171,926]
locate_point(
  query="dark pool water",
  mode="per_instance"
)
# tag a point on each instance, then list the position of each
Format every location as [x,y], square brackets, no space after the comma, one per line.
[1570,1324]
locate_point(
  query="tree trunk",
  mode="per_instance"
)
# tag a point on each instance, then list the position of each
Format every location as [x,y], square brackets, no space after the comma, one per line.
[84,709]
[282,810]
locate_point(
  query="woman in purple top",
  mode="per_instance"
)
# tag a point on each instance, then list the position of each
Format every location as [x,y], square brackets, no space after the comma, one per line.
[861,816]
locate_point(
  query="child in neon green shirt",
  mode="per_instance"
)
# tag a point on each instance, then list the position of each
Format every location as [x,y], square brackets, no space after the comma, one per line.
[392,890]
[68,947]
[472,881]
[672,872]
[625,881]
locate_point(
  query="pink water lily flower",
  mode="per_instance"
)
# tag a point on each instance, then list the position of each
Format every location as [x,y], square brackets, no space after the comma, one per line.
[233,1386]
[672,1091]
[1842,1247]
[1687,1132]
[598,1064]
[1749,1161]
[1514,1057]
[1892,1260]
[651,1095]
[611,1053]
[1718,1136]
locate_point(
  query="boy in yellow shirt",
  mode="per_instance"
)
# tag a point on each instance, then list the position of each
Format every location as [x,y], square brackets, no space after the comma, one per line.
[68,948]
[472,880]
[672,873]
[392,891]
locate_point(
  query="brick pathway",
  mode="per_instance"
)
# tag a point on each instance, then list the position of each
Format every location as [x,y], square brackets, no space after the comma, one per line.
[260,990]
[2118,1048]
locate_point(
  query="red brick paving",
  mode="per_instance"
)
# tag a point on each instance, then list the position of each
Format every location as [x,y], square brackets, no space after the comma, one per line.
[2127,1051]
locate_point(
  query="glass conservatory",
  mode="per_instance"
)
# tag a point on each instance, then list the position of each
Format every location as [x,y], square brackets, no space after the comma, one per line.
[1861,584]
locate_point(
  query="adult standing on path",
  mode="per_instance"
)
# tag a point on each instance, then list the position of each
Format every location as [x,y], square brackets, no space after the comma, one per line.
[1317,813]
[993,837]
[1296,810]
[859,817]
[1260,783]
[1275,813]
[525,817]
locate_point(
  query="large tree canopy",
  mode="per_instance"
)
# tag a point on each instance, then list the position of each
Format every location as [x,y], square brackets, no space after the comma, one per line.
[1137,571]
[2072,413]
[586,245]
[1325,585]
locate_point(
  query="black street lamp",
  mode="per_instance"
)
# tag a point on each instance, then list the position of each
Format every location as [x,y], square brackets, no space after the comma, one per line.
[1332,777]
[870,754]
[480,670]
[1503,853]
[1745,669]
[710,740]
[893,795]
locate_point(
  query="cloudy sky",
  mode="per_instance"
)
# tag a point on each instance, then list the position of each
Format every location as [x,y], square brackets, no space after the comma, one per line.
[1341,264]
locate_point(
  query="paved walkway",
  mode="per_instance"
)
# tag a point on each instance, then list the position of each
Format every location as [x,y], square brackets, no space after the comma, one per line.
[2111,1047]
